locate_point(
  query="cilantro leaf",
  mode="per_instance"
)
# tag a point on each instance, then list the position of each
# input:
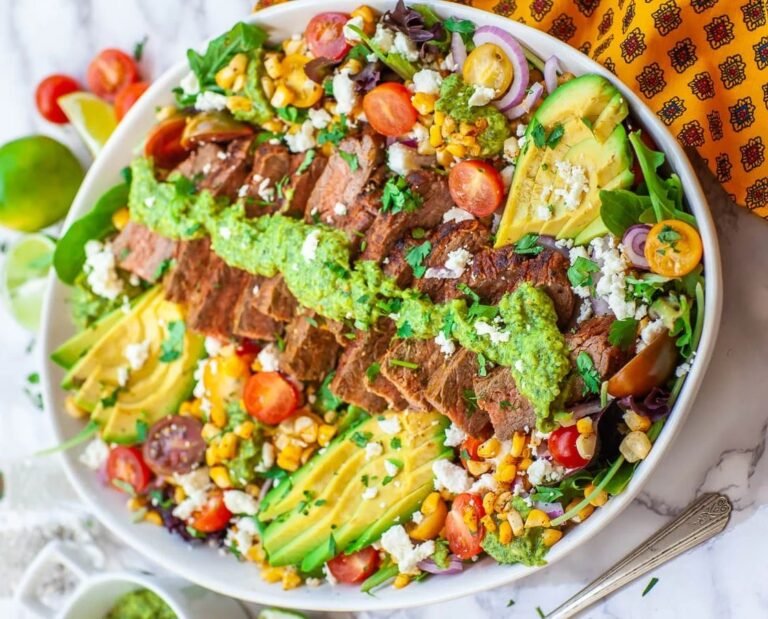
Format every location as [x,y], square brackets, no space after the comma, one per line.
[588,372]
[415,258]
[292,114]
[623,333]
[333,133]
[326,400]
[539,134]
[373,371]
[529,245]
[580,272]
[142,427]
[173,344]
[350,158]
[555,135]
[361,438]
[309,157]
[397,197]
[138,49]
[405,330]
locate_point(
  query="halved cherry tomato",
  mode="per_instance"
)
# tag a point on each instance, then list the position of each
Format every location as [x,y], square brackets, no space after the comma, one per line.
[164,143]
[389,110]
[487,65]
[354,568]
[213,516]
[48,93]
[306,92]
[213,127]
[673,248]
[270,398]
[174,445]
[649,368]
[562,446]
[325,35]
[127,97]
[470,445]
[126,464]
[110,72]
[463,528]
[476,186]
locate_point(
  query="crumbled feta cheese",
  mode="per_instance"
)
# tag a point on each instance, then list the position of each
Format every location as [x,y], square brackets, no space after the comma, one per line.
[454,436]
[507,174]
[95,454]
[264,191]
[417,517]
[373,450]
[349,34]
[407,556]
[383,38]
[564,243]
[519,366]
[455,265]
[195,485]
[208,101]
[585,311]
[269,358]
[390,425]
[242,536]
[449,64]
[391,468]
[225,233]
[576,183]
[451,477]
[457,214]
[486,483]
[319,118]
[303,139]
[427,81]
[511,149]
[402,159]
[243,191]
[149,201]
[405,47]
[137,354]
[521,129]
[482,95]
[542,471]
[370,493]
[100,271]
[493,332]
[340,209]
[544,212]
[612,284]
[344,92]
[420,134]
[189,84]
[212,346]
[239,502]
[309,247]
[649,333]
[122,375]
[446,344]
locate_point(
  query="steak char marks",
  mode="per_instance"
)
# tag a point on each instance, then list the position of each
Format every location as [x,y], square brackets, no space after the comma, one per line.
[140,251]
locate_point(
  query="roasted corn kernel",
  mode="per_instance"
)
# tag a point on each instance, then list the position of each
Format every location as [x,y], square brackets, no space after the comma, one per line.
[477,468]
[325,433]
[636,422]
[220,476]
[519,439]
[245,429]
[506,472]
[490,448]
[402,580]
[536,518]
[489,501]
[600,499]
[635,446]
[154,517]
[505,532]
[584,425]
[424,103]
[515,521]
[120,218]
[273,65]
[550,537]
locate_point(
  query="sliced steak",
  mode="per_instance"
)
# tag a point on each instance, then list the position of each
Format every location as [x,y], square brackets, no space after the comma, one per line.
[201,161]
[388,227]
[549,271]
[310,352]
[211,310]
[451,392]
[412,383]
[301,184]
[508,410]
[142,252]
[250,322]
[228,173]
[275,300]
[188,270]
[396,266]
[271,163]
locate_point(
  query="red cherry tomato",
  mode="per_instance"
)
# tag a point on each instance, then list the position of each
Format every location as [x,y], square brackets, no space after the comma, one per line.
[470,445]
[354,568]
[649,368]
[476,186]
[110,72]
[463,527]
[247,350]
[562,446]
[48,93]
[126,464]
[270,398]
[389,110]
[174,445]
[325,35]
[164,143]
[127,97]
[213,516]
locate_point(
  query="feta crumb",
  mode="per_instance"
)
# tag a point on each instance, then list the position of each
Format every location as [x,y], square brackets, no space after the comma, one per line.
[649,333]
[189,84]
[370,493]
[243,191]
[451,477]
[239,502]
[383,37]
[417,517]
[222,155]
[454,436]
[137,354]
[407,556]
[225,233]
[195,485]
[612,284]
[351,35]
[344,92]
[303,139]
[683,368]
[427,81]
[373,450]
[544,212]
[390,425]
[405,47]
[486,483]
[340,209]
[493,332]
[390,468]
[212,346]
[208,101]
[264,191]
[313,582]
[243,535]
[329,576]
[576,183]
[521,129]
[95,455]
[100,270]
[268,358]
[449,64]
[455,265]
[446,344]
[401,159]
[511,149]
[267,457]
[542,471]
[507,174]
[585,311]
[457,214]
[122,375]
[320,118]
[482,95]
[564,243]
[309,247]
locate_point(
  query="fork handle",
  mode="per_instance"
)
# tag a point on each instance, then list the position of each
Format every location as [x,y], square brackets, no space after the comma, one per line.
[703,519]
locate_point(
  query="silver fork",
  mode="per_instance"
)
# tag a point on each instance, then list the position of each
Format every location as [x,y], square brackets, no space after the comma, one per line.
[704,518]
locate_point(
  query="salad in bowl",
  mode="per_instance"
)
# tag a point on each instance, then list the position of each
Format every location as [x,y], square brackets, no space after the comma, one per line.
[380,299]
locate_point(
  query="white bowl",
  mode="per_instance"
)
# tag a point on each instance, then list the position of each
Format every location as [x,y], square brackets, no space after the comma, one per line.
[222,573]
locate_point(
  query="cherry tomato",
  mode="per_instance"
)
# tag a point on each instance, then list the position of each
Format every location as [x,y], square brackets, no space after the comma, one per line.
[270,398]
[325,35]
[213,127]
[470,445]
[126,464]
[487,65]
[110,72]
[354,568]
[164,143]
[247,350]
[127,97]
[213,516]
[174,445]
[649,368]
[463,528]
[389,110]
[673,248]
[476,186]
[562,446]
[48,93]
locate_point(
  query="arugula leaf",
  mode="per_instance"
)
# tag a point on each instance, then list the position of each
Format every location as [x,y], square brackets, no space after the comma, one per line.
[646,286]
[359,52]
[529,245]
[416,256]
[397,197]
[309,157]
[621,209]
[292,114]
[580,272]
[266,136]
[350,158]
[173,345]
[588,372]
[682,330]
[623,333]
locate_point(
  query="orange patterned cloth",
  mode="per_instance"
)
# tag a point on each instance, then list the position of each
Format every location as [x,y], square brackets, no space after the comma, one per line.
[701,65]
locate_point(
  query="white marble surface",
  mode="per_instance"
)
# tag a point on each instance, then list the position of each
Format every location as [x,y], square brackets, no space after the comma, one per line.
[722,444]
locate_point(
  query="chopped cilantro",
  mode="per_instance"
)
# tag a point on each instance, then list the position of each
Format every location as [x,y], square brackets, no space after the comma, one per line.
[555,135]
[173,344]
[623,333]
[396,443]
[470,399]
[350,158]
[309,157]
[580,272]
[415,257]
[651,585]
[142,427]
[373,371]
[481,362]
[529,245]
[138,48]
[397,197]
[333,133]
[588,372]
[539,134]
[404,364]
[405,330]
[291,114]
[361,438]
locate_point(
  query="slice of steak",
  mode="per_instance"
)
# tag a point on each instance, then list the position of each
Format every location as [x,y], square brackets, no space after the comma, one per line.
[549,271]
[451,392]
[212,310]
[389,227]
[142,252]
[271,164]
[457,238]
[250,322]
[187,273]
[411,382]
[508,410]
[201,161]
[301,184]
[228,173]
[310,352]
[395,264]
[275,300]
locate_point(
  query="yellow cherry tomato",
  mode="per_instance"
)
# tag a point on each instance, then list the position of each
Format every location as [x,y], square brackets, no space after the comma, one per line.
[673,248]
[307,92]
[487,65]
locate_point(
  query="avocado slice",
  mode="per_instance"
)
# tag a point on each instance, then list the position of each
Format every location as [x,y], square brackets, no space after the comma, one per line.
[320,513]
[593,150]
[75,347]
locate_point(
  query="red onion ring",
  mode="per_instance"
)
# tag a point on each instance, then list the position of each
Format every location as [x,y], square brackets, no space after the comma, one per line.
[550,242]
[516,55]
[634,245]
[458,50]
[600,306]
[586,408]
[264,489]
[525,106]
[553,510]
[454,567]
[551,69]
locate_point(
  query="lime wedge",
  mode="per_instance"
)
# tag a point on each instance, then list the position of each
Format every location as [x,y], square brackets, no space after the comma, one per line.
[23,278]
[92,117]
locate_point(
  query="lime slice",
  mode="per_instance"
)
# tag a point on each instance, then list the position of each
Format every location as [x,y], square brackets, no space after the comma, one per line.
[23,278]
[92,117]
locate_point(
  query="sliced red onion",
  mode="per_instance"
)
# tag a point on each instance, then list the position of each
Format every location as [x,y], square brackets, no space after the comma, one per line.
[634,245]
[455,566]
[526,104]
[516,55]
[550,242]
[264,489]
[458,50]
[585,409]
[553,510]
[551,69]
[600,306]
[409,142]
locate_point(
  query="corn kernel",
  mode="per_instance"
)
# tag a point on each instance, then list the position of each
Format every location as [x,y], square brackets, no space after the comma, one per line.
[330,416]
[584,425]
[515,521]
[475,150]
[435,137]
[256,553]
[635,422]
[430,504]
[465,128]
[366,12]
[432,523]
[503,502]
[290,579]
[519,439]
[477,468]
[489,523]
[586,445]
[165,112]
[506,472]
[352,65]
[239,63]
[73,410]
[120,218]
[239,83]
[583,514]
[272,574]
[505,532]
[536,518]
[448,126]
[209,432]
[306,429]
[218,415]
[489,500]
[527,451]
[457,150]
[324,434]
[268,85]
[424,103]
[635,446]
[228,446]
[135,503]
[327,149]
[245,429]
[600,499]
[550,537]
[289,457]
[220,476]
[307,454]
[211,456]
[273,65]
[439,118]
[191,409]
[225,78]
[179,495]
[253,489]
[294,47]
[524,464]
[275,126]
[154,518]
[401,581]
[489,449]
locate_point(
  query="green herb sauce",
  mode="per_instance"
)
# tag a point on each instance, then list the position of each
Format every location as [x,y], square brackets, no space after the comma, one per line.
[141,604]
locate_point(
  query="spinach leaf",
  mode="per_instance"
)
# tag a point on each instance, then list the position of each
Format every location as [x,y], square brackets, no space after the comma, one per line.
[621,209]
